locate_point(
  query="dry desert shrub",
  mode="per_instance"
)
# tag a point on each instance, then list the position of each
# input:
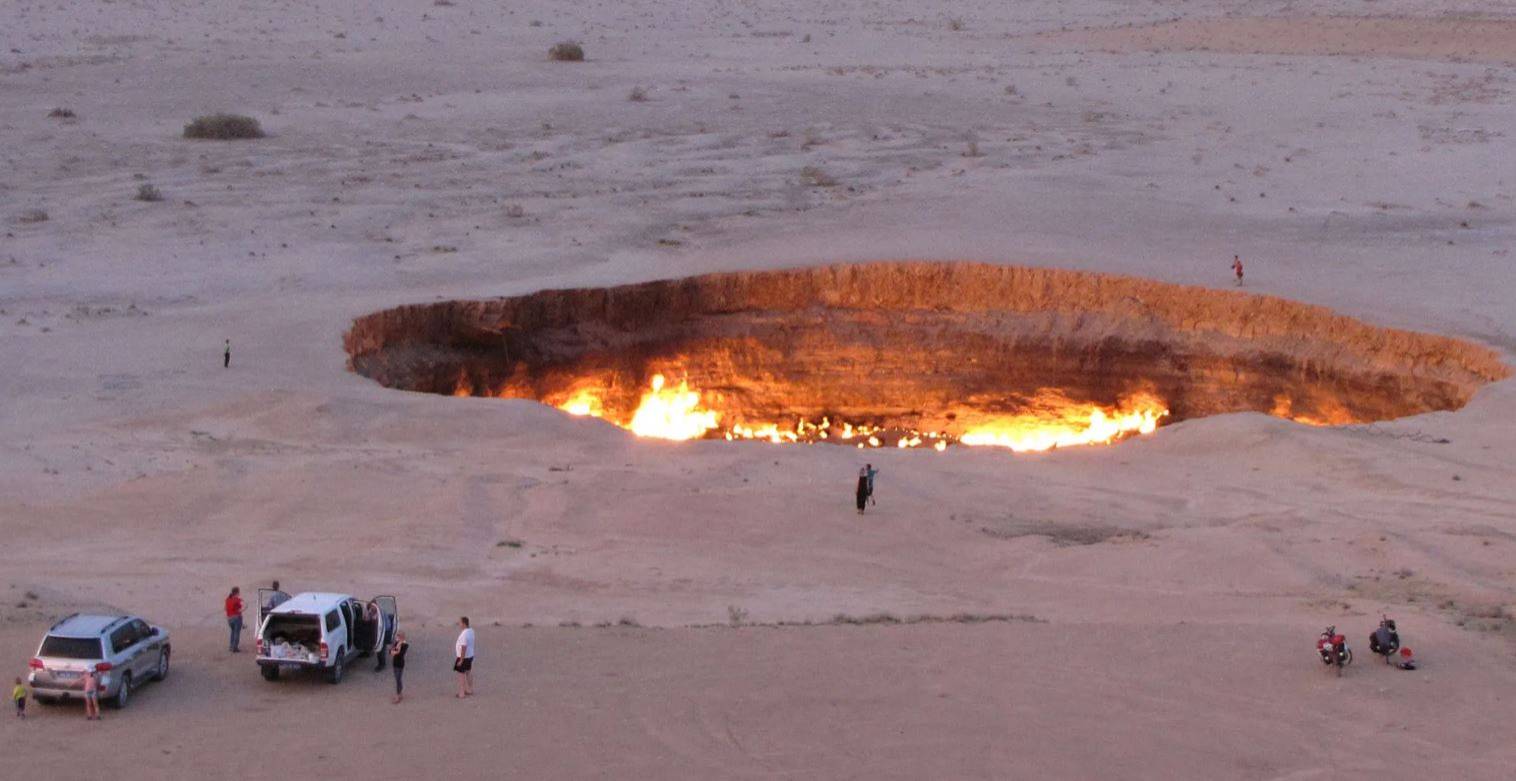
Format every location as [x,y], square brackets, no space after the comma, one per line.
[637,95]
[956,25]
[812,176]
[32,217]
[223,127]
[62,113]
[149,193]
[566,51]
[873,618]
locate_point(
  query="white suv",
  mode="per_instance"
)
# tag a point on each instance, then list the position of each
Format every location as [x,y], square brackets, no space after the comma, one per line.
[321,631]
[125,650]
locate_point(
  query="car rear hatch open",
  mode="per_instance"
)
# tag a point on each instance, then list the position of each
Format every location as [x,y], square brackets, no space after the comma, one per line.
[290,638]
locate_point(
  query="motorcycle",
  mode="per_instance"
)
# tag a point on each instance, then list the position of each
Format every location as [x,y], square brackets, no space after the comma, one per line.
[1334,649]
[1385,640]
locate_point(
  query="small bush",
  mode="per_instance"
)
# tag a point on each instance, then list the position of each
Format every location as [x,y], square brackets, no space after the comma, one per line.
[812,176]
[62,113]
[223,127]
[149,193]
[566,51]
[32,216]
[515,211]
[735,616]
[637,95]
[956,25]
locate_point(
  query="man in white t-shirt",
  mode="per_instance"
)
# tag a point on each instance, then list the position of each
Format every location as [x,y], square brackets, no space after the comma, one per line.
[463,661]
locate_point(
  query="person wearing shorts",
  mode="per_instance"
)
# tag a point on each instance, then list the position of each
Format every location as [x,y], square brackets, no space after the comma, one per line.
[91,694]
[463,658]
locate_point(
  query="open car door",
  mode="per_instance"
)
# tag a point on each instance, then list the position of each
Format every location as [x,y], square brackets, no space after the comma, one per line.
[268,599]
[389,621]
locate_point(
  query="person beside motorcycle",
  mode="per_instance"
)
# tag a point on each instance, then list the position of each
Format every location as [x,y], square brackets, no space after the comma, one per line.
[1385,640]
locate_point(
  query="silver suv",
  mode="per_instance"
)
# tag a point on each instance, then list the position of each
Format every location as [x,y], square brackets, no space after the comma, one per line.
[125,650]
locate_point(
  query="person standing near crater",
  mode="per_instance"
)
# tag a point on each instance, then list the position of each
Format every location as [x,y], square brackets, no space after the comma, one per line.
[226,356]
[871,471]
[863,489]
[1237,268]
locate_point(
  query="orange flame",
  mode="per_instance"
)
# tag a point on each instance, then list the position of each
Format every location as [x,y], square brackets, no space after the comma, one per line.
[666,413]
[1053,421]
[583,402]
[1057,422]
[1332,413]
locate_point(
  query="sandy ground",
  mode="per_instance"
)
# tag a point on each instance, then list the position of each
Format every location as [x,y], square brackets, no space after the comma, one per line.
[422,151]
[1012,700]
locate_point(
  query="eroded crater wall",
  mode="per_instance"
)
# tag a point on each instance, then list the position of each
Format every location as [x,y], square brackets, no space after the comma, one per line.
[924,345]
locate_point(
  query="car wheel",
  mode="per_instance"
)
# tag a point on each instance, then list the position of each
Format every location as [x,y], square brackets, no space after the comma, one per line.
[270,672]
[123,692]
[162,671]
[334,676]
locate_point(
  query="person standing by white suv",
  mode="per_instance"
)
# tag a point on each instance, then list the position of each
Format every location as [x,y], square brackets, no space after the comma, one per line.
[463,662]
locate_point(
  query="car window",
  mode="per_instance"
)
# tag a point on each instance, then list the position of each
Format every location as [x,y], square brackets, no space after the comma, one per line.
[332,621]
[70,648]
[123,638]
[141,628]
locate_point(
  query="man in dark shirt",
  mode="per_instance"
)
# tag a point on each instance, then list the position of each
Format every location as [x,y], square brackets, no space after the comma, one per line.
[397,661]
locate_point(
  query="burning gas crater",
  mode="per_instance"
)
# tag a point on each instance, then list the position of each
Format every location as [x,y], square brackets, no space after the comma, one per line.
[1050,420]
[917,355]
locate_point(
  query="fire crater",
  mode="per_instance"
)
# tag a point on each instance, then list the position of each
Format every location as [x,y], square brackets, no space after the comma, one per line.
[917,354]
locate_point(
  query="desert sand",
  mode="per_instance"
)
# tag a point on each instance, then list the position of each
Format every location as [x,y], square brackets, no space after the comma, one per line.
[1155,601]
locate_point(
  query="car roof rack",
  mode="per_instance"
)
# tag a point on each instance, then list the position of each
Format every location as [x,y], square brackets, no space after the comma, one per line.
[62,621]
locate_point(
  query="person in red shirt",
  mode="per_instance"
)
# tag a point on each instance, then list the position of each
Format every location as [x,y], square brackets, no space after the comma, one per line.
[1237,267]
[234,618]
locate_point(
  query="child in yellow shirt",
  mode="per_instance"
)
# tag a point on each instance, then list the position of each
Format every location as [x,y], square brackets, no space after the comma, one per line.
[18,695]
